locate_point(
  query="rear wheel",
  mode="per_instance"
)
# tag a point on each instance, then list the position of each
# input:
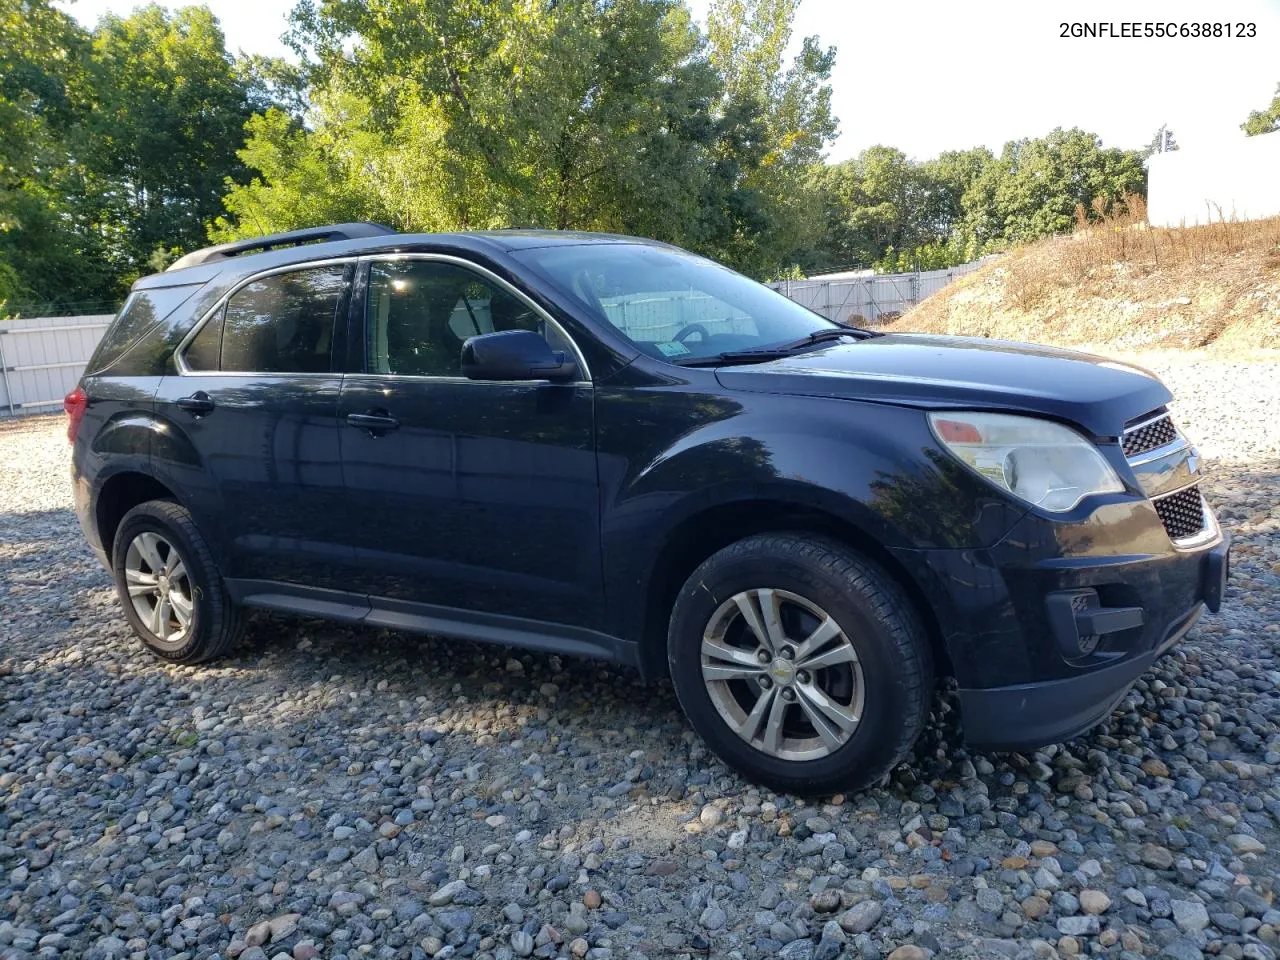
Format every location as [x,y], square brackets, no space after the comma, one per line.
[801,663]
[171,590]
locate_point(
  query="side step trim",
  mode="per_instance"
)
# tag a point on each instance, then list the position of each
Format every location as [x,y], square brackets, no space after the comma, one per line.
[431,619]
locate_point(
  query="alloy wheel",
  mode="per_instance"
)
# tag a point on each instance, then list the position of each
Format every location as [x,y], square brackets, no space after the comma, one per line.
[159,587]
[782,674]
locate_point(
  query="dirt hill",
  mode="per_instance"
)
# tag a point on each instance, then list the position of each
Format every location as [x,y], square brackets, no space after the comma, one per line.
[1124,286]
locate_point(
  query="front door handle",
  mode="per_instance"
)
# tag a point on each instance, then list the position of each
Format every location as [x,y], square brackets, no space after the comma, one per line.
[377,422]
[198,404]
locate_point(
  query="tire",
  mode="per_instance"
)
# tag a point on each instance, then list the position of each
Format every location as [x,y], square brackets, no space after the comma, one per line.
[157,546]
[809,581]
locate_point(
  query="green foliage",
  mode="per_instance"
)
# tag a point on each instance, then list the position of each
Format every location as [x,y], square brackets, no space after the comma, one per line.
[116,144]
[1264,121]
[613,115]
[574,114]
[41,79]
[1039,187]
[168,115]
[123,147]
[885,210]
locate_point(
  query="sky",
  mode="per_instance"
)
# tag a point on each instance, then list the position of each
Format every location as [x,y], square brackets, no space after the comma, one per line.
[933,75]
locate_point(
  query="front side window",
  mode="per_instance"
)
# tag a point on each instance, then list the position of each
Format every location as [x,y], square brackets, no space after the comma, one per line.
[284,323]
[671,303]
[419,313]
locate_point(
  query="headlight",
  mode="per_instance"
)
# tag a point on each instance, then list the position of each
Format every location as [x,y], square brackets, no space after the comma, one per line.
[1044,463]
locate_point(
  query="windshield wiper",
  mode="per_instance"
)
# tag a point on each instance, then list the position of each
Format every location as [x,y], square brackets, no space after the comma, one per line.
[777,350]
[821,336]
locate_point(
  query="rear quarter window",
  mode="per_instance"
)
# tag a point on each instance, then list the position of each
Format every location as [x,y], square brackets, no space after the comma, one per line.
[140,314]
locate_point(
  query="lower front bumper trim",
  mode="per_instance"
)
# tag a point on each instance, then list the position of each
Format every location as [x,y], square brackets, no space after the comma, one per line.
[1034,714]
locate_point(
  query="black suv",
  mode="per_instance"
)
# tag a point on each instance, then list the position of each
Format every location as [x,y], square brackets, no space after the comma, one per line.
[610,447]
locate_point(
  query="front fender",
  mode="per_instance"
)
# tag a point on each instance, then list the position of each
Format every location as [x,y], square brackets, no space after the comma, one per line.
[873,467]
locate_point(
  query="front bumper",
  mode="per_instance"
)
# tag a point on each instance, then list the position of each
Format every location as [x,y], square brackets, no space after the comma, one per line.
[1027,676]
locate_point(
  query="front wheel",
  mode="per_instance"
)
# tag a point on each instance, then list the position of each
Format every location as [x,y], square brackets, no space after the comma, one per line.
[801,663]
[171,590]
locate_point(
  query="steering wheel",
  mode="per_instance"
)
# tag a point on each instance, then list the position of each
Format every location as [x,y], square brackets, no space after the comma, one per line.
[689,329]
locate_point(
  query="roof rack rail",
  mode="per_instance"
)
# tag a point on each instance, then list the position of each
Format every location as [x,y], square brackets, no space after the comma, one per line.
[337,231]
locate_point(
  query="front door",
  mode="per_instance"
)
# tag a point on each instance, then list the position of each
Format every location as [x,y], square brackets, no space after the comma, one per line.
[253,445]
[474,496]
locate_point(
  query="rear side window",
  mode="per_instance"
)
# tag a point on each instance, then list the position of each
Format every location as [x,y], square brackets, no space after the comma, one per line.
[202,352]
[283,323]
[142,311]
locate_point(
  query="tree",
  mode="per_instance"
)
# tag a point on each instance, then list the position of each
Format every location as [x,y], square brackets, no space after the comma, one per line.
[1037,186]
[169,113]
[116,145]
[590,114]
[1162,142]
[1264,121]
[41,97]
[574,114]
[775,123]
[875,201]
[883,209]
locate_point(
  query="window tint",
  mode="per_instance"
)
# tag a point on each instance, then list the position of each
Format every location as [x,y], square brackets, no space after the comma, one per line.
[284,323]
[142,311]
[202,352]
[419,312]
[670,303]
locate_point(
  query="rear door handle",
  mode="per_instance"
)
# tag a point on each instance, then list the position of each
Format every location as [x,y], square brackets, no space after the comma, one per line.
[376,422]
[198,404]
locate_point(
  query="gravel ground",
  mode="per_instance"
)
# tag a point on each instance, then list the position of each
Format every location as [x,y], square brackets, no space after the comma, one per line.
[338,792]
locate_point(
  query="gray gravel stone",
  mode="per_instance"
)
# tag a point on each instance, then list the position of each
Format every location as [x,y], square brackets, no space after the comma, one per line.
[1190,915]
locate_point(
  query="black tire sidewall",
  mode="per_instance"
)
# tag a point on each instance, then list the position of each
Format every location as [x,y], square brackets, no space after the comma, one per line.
[871,750]
[206,587]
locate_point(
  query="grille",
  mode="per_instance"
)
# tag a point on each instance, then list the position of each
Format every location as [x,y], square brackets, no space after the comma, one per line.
[1182,513]
[1149,436]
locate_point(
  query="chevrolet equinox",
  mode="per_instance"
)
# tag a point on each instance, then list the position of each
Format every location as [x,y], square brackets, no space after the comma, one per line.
[610,447]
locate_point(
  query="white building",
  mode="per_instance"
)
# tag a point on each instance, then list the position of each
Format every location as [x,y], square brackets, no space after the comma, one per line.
[1235,180]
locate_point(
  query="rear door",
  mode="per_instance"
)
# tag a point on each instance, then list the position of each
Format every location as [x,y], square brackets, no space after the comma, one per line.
[254,412]
[480,496]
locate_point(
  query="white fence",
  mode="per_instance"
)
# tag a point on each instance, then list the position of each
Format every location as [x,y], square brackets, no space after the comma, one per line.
[41,359]
[864,300]
[1231,180]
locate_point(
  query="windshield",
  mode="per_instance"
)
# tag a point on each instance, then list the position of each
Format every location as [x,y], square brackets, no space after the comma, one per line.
[672,304]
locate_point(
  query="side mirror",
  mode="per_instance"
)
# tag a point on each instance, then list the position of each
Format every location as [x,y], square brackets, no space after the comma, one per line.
[513,355]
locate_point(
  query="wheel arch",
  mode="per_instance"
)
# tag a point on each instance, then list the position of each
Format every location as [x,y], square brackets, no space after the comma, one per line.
[119,494]
[697,537]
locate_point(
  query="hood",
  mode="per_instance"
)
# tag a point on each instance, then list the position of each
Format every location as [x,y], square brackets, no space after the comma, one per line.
[963,372]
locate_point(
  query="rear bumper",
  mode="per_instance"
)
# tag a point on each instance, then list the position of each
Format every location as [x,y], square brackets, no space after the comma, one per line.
[1048,630]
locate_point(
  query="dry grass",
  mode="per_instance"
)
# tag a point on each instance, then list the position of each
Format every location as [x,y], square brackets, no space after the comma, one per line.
[1124,283]
[1128,238]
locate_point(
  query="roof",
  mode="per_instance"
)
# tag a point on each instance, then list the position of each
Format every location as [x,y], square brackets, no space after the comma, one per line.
[342,240]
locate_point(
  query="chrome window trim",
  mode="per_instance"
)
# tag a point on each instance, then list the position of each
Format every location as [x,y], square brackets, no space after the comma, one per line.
[180,352]
[489,275]
[427,378]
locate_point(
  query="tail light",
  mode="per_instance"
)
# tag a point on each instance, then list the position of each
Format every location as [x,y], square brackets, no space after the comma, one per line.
[75,403]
